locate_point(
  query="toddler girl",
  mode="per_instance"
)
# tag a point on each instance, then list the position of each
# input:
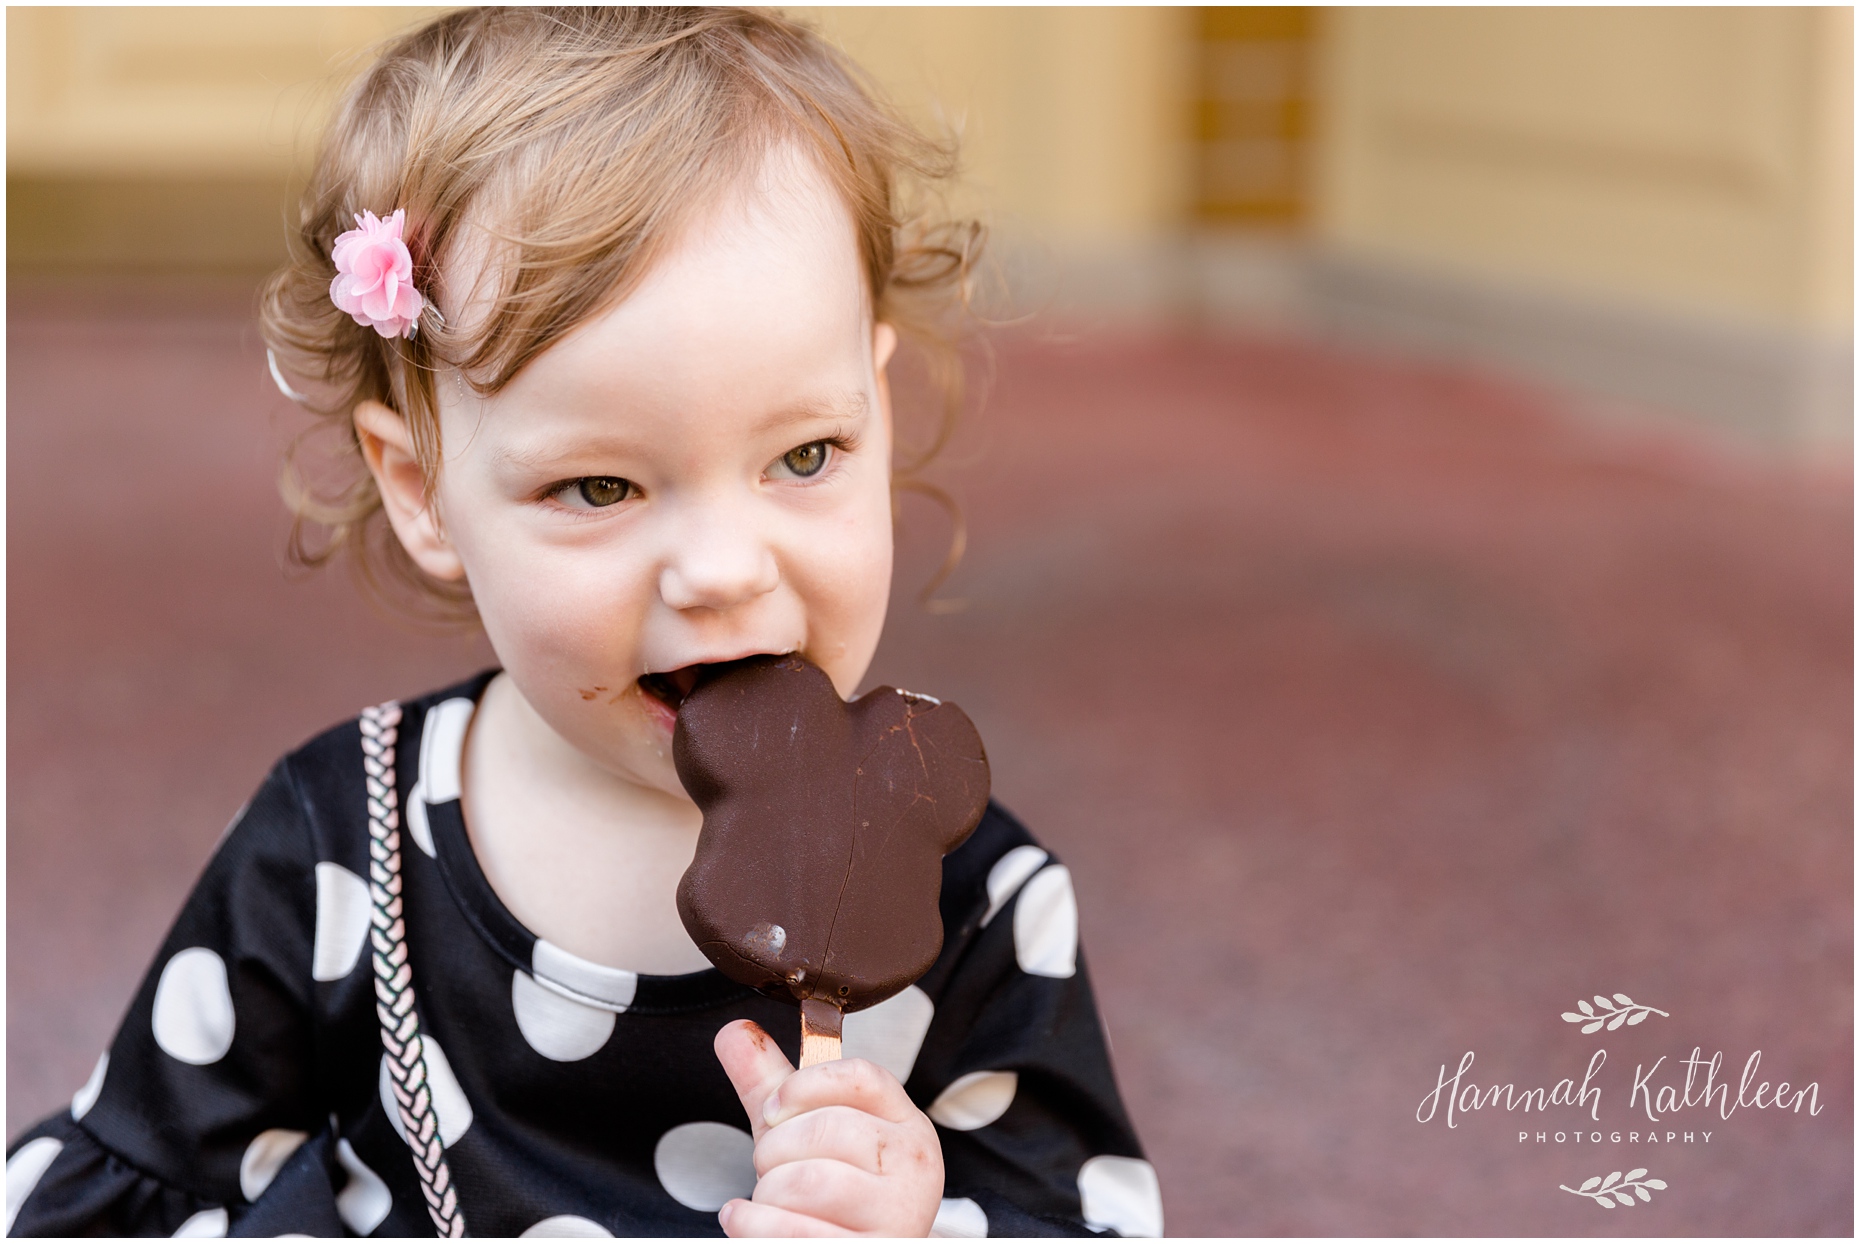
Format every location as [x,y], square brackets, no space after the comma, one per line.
[607,297]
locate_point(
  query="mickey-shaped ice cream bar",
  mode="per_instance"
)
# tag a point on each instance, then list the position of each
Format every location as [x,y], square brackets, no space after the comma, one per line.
[825,825]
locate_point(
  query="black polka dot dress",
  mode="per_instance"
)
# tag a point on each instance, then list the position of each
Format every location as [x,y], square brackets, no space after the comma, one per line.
[247,1092]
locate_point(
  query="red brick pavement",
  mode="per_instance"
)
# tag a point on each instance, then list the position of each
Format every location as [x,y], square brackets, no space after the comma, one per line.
[1381,712]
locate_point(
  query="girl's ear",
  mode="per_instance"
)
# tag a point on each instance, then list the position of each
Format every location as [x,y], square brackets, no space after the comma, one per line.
[388,450]
[884,345]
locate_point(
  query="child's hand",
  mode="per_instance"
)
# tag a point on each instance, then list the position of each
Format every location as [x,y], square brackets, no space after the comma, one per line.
[840,1149]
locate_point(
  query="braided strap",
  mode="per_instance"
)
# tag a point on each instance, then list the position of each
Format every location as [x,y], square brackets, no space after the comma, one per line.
[400,1019]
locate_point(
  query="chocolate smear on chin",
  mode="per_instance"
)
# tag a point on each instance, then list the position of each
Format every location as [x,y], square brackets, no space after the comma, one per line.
[819,865]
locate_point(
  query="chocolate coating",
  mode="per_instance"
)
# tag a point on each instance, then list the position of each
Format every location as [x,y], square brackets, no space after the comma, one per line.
[825,825]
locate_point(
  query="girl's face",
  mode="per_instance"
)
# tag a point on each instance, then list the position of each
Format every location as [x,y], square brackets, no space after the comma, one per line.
[700,473]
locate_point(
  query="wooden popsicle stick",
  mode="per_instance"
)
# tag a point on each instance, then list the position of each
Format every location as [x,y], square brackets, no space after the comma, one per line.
[820,1032]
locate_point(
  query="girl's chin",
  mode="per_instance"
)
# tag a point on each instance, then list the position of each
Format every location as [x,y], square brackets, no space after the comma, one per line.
[644,755]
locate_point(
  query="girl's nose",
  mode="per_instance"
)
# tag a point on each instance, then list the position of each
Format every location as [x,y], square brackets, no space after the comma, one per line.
[722,564]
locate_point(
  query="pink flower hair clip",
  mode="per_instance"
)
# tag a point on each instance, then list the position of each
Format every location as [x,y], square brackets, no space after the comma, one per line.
[374,276]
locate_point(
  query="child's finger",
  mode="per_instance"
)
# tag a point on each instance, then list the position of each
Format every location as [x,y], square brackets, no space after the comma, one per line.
[830,1191]
[852,1136]
[843,1082]
[743,1219]
[756,1067]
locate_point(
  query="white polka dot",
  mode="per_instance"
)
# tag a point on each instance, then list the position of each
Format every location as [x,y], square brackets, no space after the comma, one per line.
[25,1169]
[364,1201]
[567,1227]
[208,1224]
[959,1218]
[1121,1195]
[1008,875]
[442,745]
[448,1098]
[891,1033]
[975,1100]
[557,1027]
[704,1165]
[265,1157]
[414,814]
[342,906]
[86,1097]
[582,979]
[193,1018]
[1046,925]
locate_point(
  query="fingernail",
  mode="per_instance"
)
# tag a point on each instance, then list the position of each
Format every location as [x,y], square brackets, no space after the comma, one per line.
[771,1108]
[723,1215]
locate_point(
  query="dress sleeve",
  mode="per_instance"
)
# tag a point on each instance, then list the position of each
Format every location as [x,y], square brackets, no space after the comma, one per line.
[203,1116]
[1015,1071]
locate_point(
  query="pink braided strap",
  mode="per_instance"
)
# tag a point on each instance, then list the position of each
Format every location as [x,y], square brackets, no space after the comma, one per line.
[394,1003]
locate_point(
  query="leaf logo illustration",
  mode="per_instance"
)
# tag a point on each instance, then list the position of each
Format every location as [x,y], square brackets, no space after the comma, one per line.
[1613,1190]
[1613,1013]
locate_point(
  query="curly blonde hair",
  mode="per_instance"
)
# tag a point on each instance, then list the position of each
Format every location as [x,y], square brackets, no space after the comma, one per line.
[583,138]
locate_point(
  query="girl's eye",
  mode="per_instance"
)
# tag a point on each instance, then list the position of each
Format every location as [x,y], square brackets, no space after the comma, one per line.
[599,491]
[804,460]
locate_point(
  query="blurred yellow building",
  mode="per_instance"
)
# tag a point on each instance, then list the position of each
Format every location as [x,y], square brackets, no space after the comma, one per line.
[1650,204]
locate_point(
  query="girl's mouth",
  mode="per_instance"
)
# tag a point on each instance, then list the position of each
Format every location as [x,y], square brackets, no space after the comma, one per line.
[671,687]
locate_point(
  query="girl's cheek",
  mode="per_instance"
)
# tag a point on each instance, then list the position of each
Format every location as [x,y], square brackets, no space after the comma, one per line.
[568,592]
[566,635]
[848,594]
